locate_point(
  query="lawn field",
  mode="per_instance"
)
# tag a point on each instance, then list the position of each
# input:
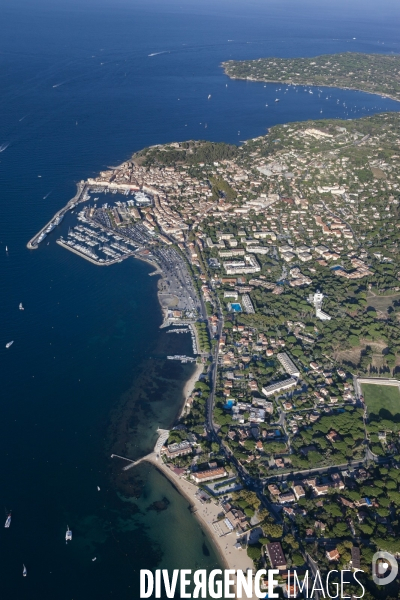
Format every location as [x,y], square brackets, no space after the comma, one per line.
[379,397]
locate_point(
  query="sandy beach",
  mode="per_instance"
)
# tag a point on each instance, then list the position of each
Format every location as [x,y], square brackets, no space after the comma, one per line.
[207,514]
[189,385]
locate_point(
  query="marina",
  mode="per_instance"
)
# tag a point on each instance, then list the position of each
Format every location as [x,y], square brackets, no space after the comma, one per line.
[96,239]
[108,232]
[187,329]
[108,215]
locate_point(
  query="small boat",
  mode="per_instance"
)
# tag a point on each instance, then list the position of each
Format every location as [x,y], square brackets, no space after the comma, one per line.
[209,96]
[98,489]
[9,344]
[276,99]
[24,571]
[68,535]
[6,248]
[95,558]
[8,521]
[20,306]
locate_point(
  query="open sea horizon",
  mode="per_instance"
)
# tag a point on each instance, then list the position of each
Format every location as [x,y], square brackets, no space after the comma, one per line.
[83,86]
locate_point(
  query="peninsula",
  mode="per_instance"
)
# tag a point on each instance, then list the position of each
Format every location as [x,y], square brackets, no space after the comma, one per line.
[373,73]
[283,256]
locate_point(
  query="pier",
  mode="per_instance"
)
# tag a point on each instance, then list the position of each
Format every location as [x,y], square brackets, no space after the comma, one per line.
[162,438]
[34,242]
[182,358]
[92,260]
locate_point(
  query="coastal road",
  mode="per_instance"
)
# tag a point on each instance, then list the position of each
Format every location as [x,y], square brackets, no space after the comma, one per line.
[250,482]
[213,378]
[317,471]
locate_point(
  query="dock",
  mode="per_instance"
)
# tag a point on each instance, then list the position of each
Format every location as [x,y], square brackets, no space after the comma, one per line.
[162,438]
[94,262]
[182,358]
[34,242]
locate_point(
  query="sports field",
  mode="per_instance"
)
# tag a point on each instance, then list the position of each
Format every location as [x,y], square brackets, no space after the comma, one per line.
[379,397]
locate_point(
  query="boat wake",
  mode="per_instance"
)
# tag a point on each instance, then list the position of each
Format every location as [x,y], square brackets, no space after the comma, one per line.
[47,195]
[156,53]
[58,84]
[4,146]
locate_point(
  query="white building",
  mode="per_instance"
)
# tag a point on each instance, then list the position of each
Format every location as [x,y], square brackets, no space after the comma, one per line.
[275,388]
[247,304]
[248,265]
[317,300]
[231,294]
[288,364]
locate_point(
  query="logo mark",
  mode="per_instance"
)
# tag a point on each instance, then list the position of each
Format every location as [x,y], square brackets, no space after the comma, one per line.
[381,561]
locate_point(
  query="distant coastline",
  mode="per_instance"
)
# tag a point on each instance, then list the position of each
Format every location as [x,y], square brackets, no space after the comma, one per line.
[311,84]
[370,73]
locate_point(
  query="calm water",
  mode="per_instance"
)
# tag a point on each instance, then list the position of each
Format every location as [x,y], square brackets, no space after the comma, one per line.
[87,370]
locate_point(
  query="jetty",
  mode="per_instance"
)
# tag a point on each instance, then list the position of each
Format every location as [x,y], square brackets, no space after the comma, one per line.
[104,263]
[162,438]
[80,196]
[182,358]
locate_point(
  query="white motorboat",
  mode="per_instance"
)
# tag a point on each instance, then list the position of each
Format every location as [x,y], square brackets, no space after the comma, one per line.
[68,535]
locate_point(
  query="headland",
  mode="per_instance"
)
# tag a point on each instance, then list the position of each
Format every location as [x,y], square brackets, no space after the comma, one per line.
[372,73]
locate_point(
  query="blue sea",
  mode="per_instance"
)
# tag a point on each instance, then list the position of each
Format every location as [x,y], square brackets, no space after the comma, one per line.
[82,86]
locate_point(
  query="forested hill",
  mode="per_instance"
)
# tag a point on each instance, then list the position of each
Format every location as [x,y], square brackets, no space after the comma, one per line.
[191,152]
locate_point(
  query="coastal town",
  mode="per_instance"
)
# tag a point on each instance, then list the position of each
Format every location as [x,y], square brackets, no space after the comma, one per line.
[281,256]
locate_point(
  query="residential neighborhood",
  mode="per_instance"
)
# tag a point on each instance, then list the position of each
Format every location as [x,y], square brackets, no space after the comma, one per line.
[291,242]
